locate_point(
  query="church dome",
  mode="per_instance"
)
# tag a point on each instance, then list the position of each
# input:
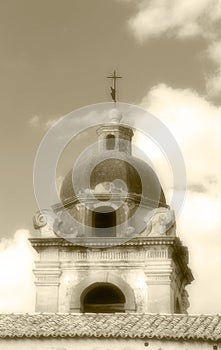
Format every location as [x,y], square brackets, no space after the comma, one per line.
[109,191]
[128,174]
[109,166]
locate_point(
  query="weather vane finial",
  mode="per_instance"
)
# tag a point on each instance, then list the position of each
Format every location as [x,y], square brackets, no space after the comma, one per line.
[114,88]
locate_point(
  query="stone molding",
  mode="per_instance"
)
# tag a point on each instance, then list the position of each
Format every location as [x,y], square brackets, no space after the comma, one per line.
[113,255]
[47,273]
[137,241]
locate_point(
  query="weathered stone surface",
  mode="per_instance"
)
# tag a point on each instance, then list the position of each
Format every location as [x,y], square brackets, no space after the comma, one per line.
[149,269]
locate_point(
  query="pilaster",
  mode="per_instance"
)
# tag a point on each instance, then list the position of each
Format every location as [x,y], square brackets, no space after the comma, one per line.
[47,274]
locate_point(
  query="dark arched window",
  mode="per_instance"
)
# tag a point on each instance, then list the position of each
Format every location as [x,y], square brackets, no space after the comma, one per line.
[110,142]
[104,222]
[102,297]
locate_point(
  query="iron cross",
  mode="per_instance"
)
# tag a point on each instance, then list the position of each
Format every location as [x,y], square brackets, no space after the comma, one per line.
[114,89]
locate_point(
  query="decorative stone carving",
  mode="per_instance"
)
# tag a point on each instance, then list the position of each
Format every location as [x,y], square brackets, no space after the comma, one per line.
[39,220]
[65,225]
[129,232]
[44,221]
[160,222]
[112,256]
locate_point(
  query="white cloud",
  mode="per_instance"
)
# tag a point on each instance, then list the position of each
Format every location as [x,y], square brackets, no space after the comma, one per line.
[214,80]
[37,122]
[200,226]
[183,20]
[17,289]
[214,51]
[180,19]
[196,125]
[34,121]
[50,122]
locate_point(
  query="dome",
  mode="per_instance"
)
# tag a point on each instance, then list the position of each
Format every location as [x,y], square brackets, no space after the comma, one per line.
[109,192]
[126,172]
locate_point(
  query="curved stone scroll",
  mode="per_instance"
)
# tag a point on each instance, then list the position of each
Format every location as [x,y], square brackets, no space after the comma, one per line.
[160,222]
[43,222]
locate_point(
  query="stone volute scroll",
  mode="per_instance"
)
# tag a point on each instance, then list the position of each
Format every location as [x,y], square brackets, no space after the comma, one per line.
[160,222]
[43,223]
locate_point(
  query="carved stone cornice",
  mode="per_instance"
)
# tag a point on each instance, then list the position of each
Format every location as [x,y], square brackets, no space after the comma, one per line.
[174,244]
[113,255]
[94,241]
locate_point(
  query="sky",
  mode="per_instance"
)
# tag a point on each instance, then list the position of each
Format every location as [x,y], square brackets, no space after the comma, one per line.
[55,57]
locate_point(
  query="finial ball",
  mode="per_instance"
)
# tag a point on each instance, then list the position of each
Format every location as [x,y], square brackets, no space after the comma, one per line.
[115,115]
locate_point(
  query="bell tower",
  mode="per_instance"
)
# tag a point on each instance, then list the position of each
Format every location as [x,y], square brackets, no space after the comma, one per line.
[114,247]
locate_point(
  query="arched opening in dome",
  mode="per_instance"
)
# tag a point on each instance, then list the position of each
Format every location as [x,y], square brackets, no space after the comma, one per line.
[102,297]
[104,222]
[110,142]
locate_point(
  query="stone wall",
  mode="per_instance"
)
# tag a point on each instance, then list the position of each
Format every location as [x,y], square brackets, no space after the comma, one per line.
[153,267]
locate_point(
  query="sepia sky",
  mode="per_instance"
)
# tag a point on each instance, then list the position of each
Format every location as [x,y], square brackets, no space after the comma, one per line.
[54,58]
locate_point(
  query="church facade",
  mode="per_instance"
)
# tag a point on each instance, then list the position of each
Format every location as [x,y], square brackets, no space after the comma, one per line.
[112,272]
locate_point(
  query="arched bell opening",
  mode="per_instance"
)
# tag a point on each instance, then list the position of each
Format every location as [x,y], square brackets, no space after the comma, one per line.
[104,298]
[104,222]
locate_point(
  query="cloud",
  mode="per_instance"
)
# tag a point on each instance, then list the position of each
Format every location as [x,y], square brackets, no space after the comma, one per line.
[17,289]
[214,51]
[205,187]
[34,121]
[50,122]
[196,124]
[183,20]
[179,19]
[213,83]
[199,226]
[37,122]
